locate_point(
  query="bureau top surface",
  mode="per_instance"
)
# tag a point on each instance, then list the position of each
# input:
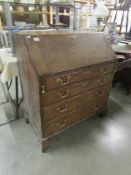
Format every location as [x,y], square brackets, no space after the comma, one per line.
[54,52]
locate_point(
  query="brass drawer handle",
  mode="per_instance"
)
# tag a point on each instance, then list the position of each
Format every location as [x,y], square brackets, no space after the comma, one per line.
[61,82]
[96,107]
[62,110]
[99,93]
[63,95]
[60,125]
[102,81]
[84,84]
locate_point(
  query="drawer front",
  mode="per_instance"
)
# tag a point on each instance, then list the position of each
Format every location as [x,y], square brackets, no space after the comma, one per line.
[60,109]
[55,126]
[75,89]
[87,73]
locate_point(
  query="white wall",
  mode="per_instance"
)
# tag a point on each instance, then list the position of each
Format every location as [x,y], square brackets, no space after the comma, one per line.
[28,1]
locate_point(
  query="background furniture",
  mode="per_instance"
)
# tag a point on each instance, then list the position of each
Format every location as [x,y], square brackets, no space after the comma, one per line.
[58,12]
[123,75]
[120,14]
[66,78]
[9,73]
[81,14]
[123,49]
[5,100]
[123,71]
[9,65]
[31,17]
[44,13]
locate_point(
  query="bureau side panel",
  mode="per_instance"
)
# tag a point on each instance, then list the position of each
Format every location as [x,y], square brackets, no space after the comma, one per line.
[29,83]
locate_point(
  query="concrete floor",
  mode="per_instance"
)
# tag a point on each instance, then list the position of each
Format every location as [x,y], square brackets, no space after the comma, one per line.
[95,147]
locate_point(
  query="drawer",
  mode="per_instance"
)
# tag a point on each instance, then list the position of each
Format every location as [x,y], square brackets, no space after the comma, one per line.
[75,89]
[84,74]
[60,109]
[55,126]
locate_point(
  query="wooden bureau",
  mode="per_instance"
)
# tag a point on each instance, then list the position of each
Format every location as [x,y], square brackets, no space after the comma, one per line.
[66,78]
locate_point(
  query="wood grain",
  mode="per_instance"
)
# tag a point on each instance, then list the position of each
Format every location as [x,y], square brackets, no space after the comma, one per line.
[66,78]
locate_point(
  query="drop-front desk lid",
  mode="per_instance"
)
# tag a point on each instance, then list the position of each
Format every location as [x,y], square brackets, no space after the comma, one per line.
[58,51]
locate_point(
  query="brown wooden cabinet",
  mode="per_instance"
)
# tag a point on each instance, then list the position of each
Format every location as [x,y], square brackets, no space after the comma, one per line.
[66,78]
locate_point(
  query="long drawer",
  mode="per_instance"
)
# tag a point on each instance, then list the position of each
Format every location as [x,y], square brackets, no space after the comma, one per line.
[57,125]
[69,78]
[66,106]
[75,89]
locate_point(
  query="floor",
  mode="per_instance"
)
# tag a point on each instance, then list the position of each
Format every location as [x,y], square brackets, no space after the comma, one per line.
[95,147]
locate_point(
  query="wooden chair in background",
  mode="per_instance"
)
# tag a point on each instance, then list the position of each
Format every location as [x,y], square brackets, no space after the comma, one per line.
[124,7]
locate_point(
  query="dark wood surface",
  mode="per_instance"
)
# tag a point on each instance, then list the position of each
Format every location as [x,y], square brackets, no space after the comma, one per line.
[75,89]
[64,107]
[123,73]
[66,78]
[61,80]
[62,51]
[53,127]
[30,85]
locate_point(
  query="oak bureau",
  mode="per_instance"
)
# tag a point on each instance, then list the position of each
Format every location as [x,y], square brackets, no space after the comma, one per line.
[66,78]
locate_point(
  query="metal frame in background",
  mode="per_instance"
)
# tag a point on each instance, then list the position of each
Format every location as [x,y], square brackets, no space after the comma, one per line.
[15,105]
